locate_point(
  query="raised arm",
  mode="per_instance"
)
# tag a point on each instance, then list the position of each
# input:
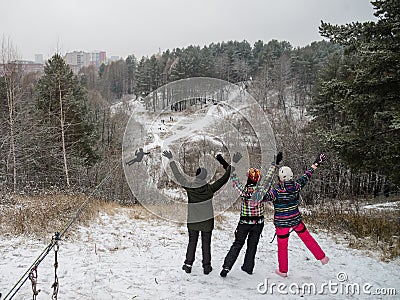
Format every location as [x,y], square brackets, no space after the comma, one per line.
[263,185]
[175,170]
[235,180]
[178,175]
[237,184]
[302,181]
[220,182]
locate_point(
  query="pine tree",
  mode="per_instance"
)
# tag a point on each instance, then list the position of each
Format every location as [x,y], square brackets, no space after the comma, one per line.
[357,100]
[131,64]
[142,86]
[62,102]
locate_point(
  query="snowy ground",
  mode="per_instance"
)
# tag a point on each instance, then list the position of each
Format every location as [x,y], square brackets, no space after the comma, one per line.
[123,257]
[384,206]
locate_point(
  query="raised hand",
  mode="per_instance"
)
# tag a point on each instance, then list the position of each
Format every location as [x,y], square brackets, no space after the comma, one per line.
[278,158]
[167,154]
[236,157]
[320,159]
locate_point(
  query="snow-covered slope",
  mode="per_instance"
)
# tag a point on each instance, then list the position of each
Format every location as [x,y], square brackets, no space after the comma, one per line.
[130,254]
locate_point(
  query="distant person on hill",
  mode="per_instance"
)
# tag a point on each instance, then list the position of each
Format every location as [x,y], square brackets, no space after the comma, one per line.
[287,217]
[251,221]
[200,216]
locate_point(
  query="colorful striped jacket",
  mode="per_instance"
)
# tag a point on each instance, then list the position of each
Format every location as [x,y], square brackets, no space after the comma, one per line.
[285,197]
[253,206]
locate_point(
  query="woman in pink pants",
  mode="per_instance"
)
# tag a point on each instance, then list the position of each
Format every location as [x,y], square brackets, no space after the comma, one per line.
[287,217]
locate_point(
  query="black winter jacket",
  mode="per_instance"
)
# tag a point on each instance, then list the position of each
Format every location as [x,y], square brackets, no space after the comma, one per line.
[200,194]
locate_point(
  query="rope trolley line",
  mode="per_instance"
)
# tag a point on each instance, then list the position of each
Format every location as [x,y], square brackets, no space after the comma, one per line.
[31,272]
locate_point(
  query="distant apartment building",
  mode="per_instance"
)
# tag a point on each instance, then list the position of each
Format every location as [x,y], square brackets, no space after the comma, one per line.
[98,58]
[39,59]
[22,66]
[114,58]
[78,59]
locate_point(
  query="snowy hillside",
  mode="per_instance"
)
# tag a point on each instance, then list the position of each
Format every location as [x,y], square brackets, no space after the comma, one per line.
[131,254]
[216,117]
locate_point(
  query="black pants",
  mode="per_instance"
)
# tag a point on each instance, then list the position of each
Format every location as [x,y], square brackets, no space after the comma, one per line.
[252,232]
[205,247]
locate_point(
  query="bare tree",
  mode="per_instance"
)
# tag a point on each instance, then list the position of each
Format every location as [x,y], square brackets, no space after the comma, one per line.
[261,87]
[9,72]
[62,103]
[281,77]
[62,127]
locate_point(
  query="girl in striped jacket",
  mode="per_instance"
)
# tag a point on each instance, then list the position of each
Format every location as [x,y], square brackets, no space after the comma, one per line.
[287,217]
[251,221]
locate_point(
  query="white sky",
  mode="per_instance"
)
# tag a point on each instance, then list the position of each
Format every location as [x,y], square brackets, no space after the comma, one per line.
[142,27]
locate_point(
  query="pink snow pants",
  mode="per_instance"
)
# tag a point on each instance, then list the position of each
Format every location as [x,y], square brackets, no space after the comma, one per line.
[282,235]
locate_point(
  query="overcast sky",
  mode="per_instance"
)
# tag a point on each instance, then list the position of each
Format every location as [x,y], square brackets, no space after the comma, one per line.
[143,27]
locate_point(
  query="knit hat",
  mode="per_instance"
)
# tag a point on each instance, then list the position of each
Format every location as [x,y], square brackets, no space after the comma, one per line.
[201,173]
[253,175]
[285,174]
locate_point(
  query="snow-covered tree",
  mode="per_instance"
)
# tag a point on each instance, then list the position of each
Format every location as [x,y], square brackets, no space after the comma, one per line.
[62,102]
[357,101]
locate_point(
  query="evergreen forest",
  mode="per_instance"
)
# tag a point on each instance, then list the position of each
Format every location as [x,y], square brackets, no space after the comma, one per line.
[60,131]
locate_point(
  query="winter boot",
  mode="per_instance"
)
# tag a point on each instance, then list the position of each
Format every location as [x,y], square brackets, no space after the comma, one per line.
[187,268]
[224,272]
[282,274]
[325,260]
[247,271]
[207,270]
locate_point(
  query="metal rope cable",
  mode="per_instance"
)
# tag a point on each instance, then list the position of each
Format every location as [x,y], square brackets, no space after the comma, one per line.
[55,284]
[55,238]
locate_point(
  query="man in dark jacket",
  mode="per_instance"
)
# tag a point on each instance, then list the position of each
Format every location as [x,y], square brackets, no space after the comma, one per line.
[200,216]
